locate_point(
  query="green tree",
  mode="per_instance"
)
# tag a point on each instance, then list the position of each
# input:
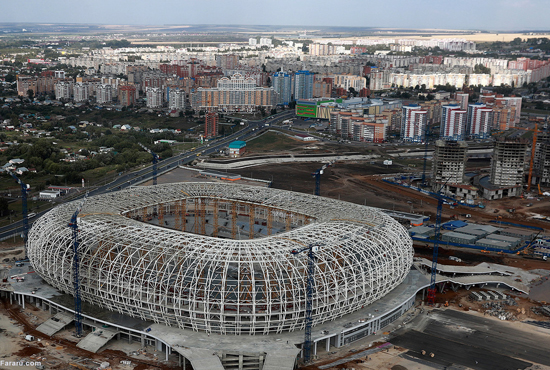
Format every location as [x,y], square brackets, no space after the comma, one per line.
[4,207]
[30,94]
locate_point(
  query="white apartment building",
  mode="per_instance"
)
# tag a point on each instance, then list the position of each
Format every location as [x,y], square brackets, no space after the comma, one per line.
[413,123]
[63,90]
[479,120]
[176,99]
[266,41]
[104,94]
[453,122]
[252,41]
[154,97]
[81,91]
[346,81]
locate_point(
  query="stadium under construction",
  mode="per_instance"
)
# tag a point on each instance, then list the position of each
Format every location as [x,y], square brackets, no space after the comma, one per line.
[205,271]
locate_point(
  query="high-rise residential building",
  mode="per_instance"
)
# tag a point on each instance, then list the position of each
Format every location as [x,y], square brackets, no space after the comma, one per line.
[514,102]
[479,122]
[266,41]
[64,90]
[453,122]
[176,98]
[154,97]
[127,95]
[227,61]
[81,91]
[235,94]
[347,81]
[104,94]
[508,163]
[252,41]
[210,125]
[322,88]
[462,100]
[303,85]
[282,84]
[449,163]
[413,123]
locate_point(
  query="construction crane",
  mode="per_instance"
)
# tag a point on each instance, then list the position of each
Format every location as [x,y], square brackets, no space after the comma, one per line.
[317,175]
[155,161]
[533,147]
[440,201]
[73,224]
[426,135]
[24,189]
[311,249]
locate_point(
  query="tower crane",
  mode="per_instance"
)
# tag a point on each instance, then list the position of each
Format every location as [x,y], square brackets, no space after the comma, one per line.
[24,189]
[533,147]
[317,174]
[426,135]
[311,249]
[73,224]
[155,161]
[440,200]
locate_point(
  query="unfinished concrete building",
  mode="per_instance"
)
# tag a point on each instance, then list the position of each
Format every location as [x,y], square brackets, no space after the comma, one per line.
[541,164]
[448,165]
[508,163]
[507,170]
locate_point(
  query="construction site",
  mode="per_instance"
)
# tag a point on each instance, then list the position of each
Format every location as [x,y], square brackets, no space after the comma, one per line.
[211,275]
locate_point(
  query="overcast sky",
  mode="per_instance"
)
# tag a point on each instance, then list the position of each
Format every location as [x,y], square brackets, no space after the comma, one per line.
[455,14]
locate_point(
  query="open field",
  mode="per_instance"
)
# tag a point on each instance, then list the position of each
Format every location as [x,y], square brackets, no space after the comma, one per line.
[477,37]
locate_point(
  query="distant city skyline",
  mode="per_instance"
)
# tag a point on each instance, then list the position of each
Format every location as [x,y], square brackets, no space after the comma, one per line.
[502,15]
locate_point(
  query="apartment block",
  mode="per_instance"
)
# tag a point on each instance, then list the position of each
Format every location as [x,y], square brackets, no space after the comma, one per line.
[453,122]
[282,84]
[413,123]
[155,98]
[127,95]
[81,91]
[235,94]
[210,125]
[303,85]
[64,90]
[479,120]
[176,98]
[104,94]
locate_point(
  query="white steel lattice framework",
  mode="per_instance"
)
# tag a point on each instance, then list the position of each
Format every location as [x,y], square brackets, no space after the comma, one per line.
[221,260]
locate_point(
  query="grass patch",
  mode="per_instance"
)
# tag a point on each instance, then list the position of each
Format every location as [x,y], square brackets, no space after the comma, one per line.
[272,141]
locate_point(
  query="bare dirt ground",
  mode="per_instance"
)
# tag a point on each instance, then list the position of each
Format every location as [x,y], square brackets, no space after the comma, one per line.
[59,352]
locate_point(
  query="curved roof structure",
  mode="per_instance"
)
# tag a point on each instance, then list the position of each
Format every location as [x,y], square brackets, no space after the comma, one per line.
[217,257]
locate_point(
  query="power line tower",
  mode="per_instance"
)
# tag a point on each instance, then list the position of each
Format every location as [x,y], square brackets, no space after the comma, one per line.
[311,250]
[24,189]
[76,269]
[155,161]
[317,175]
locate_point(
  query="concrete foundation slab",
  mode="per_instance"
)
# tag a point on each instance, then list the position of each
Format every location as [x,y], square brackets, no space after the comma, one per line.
[97,339]
[56,323]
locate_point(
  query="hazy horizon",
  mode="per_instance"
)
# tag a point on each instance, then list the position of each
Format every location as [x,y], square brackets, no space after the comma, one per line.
[497,15]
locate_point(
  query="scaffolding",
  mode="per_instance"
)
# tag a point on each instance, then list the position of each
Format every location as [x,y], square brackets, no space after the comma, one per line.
[229,284]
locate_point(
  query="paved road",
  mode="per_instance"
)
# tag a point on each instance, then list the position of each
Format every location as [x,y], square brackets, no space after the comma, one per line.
[128,179]
[473,341]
